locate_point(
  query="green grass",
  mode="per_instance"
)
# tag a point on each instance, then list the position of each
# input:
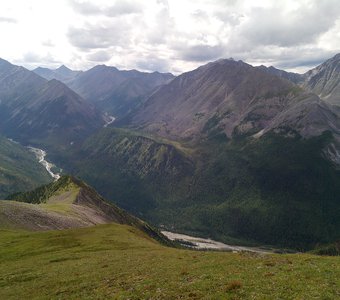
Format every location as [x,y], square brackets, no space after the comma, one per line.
[120,262]
[44,192]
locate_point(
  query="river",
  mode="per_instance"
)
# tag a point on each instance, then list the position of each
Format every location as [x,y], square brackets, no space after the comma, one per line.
[109,120]
[40,155]
[209,244]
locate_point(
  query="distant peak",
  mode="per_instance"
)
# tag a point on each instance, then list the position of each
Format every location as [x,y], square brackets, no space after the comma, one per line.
[55,83]
[104,67]
[64,68]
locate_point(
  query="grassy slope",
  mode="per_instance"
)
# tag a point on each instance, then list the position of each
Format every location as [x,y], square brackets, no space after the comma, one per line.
[120,262]
[63,204]
[19,169]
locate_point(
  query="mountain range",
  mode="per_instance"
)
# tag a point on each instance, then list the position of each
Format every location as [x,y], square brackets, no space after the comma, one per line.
[111,90]
[234,99]
[231,151]
[33,108]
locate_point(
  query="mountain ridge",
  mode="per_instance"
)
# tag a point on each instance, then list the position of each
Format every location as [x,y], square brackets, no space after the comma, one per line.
[66,203]
[33,108]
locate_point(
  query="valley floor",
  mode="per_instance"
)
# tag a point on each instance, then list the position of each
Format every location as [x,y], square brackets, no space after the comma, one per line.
[120,262]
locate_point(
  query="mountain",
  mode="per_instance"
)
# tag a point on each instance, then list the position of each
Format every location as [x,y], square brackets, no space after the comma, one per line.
[228,99]
[66,203]
[32,108]
[248,157]
[19,169]
[227,151]
[293,77]
[62,73]
[324,80]
[117,92]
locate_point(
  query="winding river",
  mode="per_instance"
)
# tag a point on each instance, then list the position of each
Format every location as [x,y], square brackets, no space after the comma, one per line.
[109,120]
[209,244]
[40,155]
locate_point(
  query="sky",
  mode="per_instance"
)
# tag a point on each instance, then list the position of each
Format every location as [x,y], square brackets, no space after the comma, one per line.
[168,35]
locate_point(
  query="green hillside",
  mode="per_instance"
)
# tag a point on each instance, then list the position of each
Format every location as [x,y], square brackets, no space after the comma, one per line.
[19,169]
[63,204]
[120,262]
[276,190]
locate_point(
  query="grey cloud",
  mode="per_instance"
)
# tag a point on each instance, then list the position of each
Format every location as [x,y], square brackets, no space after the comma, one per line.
[202,53]
[294,58]
[7,20]
[200,14]
[274,26]
[119,8]
[33,60]
[99,56]
[99,35]
[276,34]
[165,25]
[48,43]
[32,57]
[151,63]
[307,59]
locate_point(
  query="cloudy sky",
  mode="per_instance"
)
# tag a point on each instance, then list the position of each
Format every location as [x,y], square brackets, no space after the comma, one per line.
[168,35]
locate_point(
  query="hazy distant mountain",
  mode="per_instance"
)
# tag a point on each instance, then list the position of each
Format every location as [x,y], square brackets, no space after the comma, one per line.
[114,91]
[324,80]
[33,108]
[62,74]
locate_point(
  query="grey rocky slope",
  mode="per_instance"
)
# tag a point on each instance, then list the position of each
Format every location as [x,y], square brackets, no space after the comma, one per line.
[324,80]
[232,98]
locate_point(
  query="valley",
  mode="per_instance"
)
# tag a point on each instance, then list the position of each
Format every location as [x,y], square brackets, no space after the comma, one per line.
[216,164]
[40,155]
[228,151]
[169,150]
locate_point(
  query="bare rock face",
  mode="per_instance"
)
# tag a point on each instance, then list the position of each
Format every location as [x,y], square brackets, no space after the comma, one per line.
[324,80]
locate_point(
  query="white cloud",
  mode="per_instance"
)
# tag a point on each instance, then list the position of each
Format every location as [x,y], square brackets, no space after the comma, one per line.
[169,35]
